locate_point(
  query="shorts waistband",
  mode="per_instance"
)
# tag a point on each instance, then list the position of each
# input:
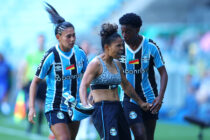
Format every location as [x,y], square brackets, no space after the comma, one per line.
[106,102]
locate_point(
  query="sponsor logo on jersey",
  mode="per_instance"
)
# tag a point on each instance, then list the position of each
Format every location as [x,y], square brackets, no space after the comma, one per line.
[113,132]
[69,77]
[136,61]
[132,115]
[72,67]
[137,71]
[60,115]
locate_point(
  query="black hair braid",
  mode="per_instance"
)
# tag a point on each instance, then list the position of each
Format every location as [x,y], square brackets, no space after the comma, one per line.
[54,16]
[56,19]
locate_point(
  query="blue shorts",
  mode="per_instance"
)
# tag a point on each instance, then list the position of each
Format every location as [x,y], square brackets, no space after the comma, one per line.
[57,116]
[110,122]
[134,114]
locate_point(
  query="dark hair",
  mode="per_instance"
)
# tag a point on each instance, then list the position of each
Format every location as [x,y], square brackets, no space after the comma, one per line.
[60,23]
[108,33]
[131,19]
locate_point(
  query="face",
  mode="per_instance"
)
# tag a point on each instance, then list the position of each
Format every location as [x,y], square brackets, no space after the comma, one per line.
[66,39]
[129,33]
[115,49]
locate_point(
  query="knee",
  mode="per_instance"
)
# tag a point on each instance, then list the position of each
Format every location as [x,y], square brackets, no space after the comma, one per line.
[140,136]
[64,137]
[150,136]
[73,137]
[139,132]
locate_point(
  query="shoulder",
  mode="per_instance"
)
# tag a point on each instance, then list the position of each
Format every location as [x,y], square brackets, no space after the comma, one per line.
[79,50]
[152,43]
[118,63]
[94,66]
[49,54]
[50,51]
[95,62]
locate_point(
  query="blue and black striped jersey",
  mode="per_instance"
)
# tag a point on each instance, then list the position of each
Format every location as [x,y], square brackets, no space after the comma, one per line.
[139,66]
[63,72]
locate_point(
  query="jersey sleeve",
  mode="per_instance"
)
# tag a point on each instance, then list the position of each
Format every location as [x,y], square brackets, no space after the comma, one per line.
[85,62]
[157,55]
[45,65]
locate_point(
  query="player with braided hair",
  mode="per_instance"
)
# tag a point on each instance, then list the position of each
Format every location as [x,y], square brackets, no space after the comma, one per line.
[63,66]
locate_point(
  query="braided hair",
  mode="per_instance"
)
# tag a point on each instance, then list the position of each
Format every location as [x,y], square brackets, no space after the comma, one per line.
[57,20]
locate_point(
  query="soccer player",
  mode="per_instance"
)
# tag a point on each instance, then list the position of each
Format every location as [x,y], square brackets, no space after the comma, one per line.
[63,66]
[140,57]
[104,74]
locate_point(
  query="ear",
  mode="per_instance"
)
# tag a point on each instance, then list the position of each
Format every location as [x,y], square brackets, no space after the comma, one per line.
[106,47]
[57,36]
[137,30]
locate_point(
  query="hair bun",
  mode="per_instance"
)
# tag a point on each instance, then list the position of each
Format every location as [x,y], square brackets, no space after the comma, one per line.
[108,29]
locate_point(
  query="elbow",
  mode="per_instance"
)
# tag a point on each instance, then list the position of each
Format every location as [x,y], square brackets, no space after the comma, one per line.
[166,76]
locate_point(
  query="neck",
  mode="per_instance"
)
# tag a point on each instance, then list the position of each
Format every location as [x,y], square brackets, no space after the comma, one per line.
[64,49]
[108,59]
[135,43]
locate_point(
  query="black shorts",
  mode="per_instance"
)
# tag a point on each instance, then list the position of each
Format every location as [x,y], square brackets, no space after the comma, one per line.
[134,114]
[41,90]
[57,116]
[110,122]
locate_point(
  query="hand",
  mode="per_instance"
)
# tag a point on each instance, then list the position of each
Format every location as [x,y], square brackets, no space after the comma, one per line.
[85,107]
[31,115]
[146,106]
[90,99]
[156,105]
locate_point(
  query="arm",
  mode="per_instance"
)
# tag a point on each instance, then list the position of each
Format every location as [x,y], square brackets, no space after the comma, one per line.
[32,96]
[90,73]
[163,83]
[41,72]
[130,91]
[159,64]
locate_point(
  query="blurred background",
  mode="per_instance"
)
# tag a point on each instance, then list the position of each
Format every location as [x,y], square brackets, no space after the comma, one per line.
[180,28]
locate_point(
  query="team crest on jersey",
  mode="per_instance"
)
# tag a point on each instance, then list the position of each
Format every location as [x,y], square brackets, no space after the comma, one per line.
[122,59]
[80,64]
[60,115]
[145,59]
[70,112]
[135,61]
[58,67]
[72,67]
[113,131]
[132,115]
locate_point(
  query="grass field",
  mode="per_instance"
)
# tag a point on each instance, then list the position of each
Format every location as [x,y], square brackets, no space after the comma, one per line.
[171,131]
[165,131]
